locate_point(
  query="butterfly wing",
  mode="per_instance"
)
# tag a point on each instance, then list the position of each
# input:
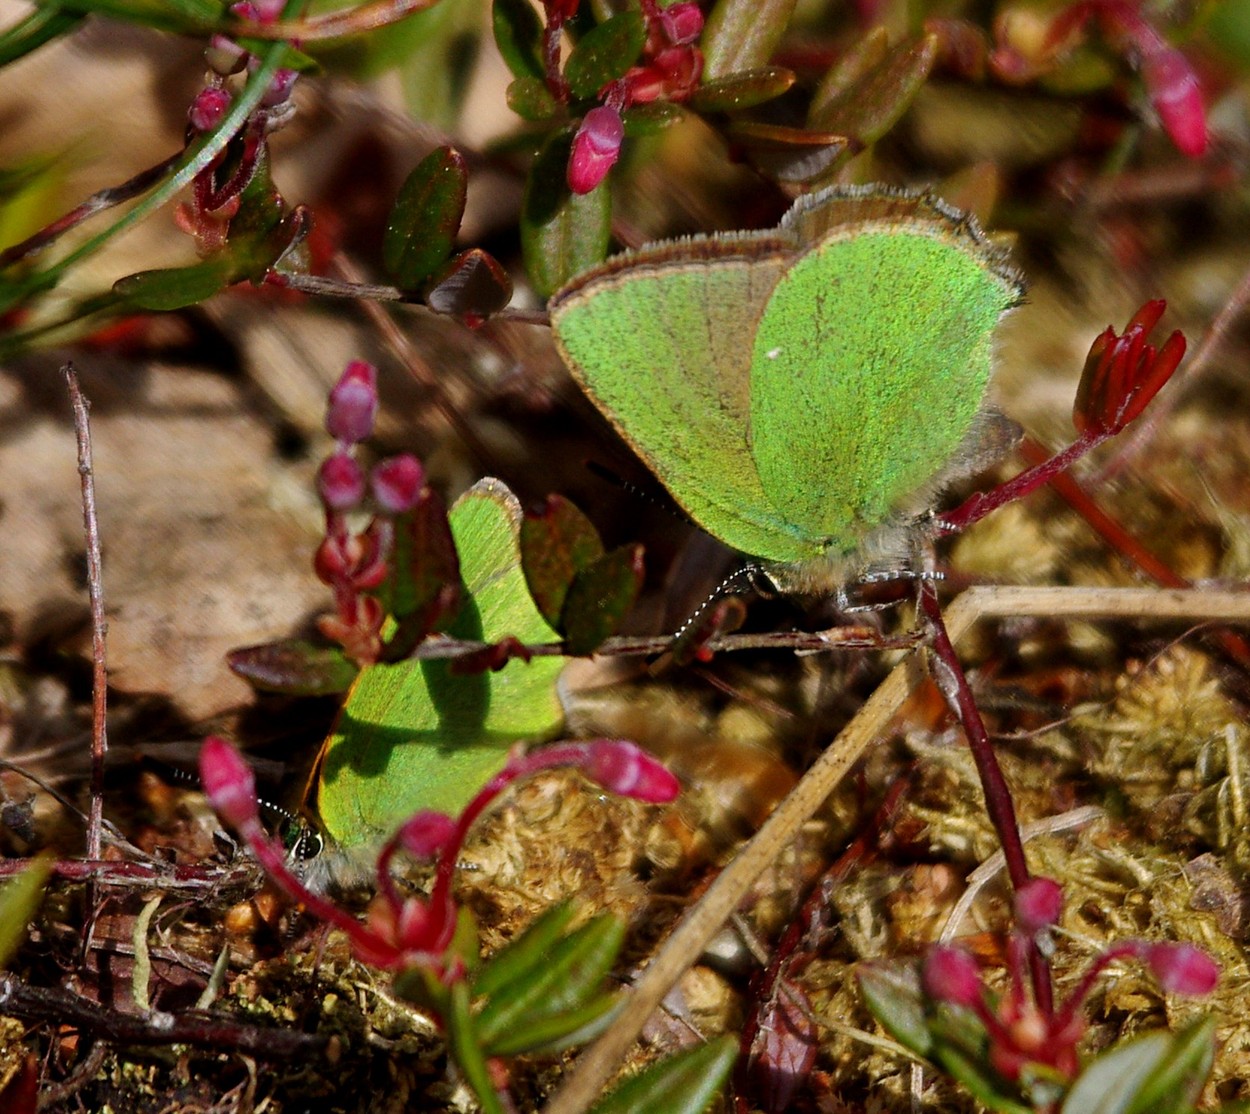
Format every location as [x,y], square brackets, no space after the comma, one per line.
[869,367]
[660,341]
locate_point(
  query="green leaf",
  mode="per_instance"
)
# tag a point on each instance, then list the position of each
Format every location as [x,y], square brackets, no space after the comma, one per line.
[530,99]
[519,37]
[33,31]
[421,231]
[294,666]
[173,288]
[742,90]
[856,65]
[605,53]
[20,899]
[686,1083]
[192,17]
[562,234]
[571,977]
[551,1034]
[743,35]
[1178,1079]
[1113,1082]
[893,995]
[464,1044]
[520,957]
[557,543]
[600,597]
[415,734]
[650,119]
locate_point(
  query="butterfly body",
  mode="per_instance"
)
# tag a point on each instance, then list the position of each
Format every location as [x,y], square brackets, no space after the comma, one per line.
[802,392]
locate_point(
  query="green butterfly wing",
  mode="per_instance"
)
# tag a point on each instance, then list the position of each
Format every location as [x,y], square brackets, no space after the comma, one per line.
[415,735]
[869,367]
[661,343]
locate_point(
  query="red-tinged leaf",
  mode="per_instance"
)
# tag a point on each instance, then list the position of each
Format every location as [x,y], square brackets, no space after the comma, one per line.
[785,1049]
[714,619]
[473,286]
[422,592]
[848,71]
[423,224]
[600,597]
[557,543]
[871,107]
[530,99]
[294,666]
[519,37]
[605,53]
[743,35]
[742,90]
[962,46]
[789,154]
[562,233]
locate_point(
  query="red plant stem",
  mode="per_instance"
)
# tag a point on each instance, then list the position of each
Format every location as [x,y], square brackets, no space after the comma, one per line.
[998,802]
[1123,542]
[977,506]
[861,851]
[99,626]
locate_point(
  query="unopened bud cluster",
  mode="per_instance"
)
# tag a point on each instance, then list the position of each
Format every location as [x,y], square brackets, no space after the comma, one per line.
[352,563]
[1024,1036]
[670,70]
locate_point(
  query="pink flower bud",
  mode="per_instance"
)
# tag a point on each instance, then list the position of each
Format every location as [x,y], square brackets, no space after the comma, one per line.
[951,975]
[682,23]
[1177,98]
[280,86]
[228,783]
[353,404]
[596,147]
[209,108]
[340,482]
[626,769]
[1183,969]
[224,56]
[425,834]
[1039,903]
[397,483]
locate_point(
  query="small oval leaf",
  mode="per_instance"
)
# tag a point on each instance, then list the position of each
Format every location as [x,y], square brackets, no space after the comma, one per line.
[294,666]
[530,99]
[473,286]
[789,154]
[556,544]
[743,35]
[605,53]
[518,35]
[600,597]
[562,234]
[650,119]
[742,90]
[520,957]
[173,288]
[870,107]
[423,224]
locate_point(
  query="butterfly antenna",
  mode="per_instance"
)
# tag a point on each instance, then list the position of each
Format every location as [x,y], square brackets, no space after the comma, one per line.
[642,494]
[746,573]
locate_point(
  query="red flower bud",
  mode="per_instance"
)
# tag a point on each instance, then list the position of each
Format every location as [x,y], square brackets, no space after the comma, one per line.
[951,975]
[596,147]
[397,483]
[353,403]
[228,783]
[209,108]
[340,482]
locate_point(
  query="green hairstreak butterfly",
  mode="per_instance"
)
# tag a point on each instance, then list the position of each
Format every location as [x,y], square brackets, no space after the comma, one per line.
[803,392]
